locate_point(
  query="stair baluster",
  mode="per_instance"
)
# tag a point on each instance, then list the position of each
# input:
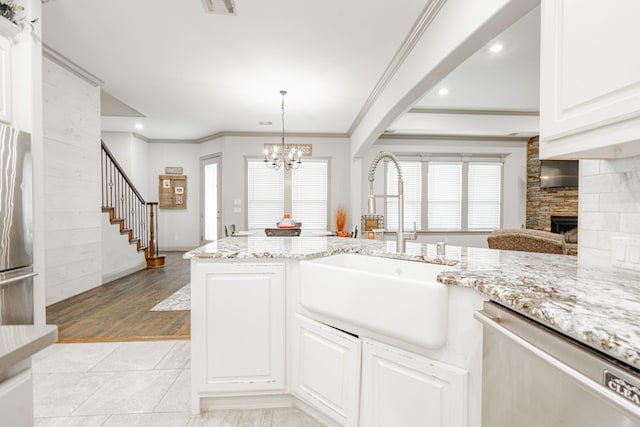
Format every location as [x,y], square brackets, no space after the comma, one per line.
[126,207]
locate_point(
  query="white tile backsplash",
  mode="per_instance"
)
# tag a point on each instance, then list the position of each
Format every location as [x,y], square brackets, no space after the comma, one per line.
[590,203]
[605,183]
[619,165]
[600,221]
[588,238]
[630,223]
[616,202]
[609,204]
[589,167]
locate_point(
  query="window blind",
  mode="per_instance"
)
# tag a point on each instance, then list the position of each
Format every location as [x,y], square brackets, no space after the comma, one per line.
[309,194]
[265,195]
[445,196]
[412,179]
[484,195]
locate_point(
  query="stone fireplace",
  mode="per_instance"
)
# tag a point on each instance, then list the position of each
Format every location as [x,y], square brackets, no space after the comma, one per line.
[550,209]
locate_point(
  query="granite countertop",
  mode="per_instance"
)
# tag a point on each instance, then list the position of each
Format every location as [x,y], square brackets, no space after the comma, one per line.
[596,306]
[19,342]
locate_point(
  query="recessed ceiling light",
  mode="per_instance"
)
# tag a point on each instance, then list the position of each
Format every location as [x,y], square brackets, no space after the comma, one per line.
[495,48]
[139,126]
[443,91]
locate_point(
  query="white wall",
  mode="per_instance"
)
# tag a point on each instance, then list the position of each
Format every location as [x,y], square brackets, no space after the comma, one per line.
[119,257]
[609,200]
[178,229]
[514,179]
[235,149]
[72,187]
[131,154]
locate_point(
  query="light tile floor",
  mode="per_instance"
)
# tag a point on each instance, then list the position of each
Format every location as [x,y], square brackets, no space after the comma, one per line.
[131,384]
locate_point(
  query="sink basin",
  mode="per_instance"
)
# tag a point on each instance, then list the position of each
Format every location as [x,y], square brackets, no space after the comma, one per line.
[400,299]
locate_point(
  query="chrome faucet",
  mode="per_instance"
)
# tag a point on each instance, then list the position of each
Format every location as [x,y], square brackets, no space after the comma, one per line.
[401,244]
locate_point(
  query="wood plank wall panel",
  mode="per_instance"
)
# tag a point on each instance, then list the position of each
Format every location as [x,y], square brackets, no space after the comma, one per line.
[72,190]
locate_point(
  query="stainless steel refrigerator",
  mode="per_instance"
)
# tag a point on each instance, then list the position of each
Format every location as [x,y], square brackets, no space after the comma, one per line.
[16,226]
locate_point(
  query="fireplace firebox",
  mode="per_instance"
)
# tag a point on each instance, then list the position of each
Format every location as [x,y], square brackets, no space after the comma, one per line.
[567,226]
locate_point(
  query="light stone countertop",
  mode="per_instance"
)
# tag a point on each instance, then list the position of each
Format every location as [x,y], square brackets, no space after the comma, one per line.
[19,342]
[598,307]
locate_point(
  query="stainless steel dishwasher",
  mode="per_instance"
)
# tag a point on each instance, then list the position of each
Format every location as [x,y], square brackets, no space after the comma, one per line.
[533,376]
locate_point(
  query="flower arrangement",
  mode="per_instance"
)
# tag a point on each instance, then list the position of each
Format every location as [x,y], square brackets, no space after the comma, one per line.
[341,219]
[13,12]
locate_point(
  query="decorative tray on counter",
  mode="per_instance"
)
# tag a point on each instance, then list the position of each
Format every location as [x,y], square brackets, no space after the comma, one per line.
[282,232]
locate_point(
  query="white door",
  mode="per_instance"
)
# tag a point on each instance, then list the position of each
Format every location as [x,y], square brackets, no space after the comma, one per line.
[211,226]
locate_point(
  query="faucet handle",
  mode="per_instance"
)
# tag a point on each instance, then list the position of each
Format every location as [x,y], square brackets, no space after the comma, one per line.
[414,234]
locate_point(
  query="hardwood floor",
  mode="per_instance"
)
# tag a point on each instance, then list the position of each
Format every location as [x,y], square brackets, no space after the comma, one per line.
[119,310]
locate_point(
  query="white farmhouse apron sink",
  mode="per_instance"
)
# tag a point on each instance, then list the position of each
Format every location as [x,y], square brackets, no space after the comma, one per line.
[397,298]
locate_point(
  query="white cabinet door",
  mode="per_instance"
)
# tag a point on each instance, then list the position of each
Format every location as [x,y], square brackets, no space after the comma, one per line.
[327,370]
[590,79]
[16,400]
[400,388]
[237,328]
[5,80]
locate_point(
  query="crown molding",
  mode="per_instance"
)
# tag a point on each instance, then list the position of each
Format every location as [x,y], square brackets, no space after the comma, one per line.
[469,138]
[219,135]
[473,112]
[421,25]
[69,65]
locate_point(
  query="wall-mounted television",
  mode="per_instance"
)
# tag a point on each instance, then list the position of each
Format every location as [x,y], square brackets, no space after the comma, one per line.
[558,173]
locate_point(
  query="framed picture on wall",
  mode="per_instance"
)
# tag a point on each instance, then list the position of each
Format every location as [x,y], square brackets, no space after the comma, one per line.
[372,222]
[172,190]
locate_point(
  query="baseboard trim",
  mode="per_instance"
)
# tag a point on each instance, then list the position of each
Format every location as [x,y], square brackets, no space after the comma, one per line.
[320,416]
[120,274]
[209,403]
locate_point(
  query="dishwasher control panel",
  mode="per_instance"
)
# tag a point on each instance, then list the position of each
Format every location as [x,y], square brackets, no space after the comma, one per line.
[622,387]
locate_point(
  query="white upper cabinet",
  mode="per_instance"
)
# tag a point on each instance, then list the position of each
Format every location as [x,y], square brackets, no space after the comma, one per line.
[590,79]
[8,32]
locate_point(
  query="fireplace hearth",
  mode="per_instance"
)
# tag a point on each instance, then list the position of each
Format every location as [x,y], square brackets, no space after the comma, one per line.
[567,226]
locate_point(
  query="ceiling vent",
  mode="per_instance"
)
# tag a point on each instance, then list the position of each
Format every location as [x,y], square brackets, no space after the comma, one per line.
[221,7]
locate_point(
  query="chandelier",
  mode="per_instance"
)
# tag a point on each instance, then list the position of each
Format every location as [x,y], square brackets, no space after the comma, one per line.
[283,154]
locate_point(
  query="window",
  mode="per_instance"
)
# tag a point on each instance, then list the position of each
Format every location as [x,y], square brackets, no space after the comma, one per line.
[265,195]
[485,182]
[307,198]
[447,195]
[412,182]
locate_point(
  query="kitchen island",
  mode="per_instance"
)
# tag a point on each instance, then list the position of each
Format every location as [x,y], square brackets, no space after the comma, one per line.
[596,307]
